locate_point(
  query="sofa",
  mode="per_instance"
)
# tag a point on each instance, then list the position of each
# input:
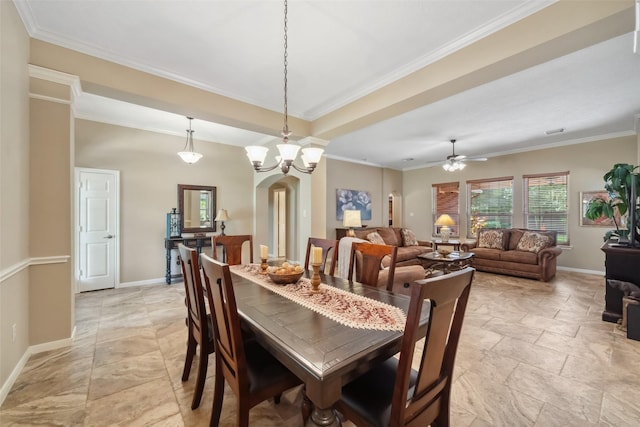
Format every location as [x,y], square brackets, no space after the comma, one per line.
[515,252]
[408,246]
[408,265]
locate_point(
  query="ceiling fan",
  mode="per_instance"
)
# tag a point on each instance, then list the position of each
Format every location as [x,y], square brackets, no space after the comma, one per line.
[455,161]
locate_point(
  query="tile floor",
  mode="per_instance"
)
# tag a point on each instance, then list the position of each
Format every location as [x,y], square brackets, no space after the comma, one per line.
[531,354]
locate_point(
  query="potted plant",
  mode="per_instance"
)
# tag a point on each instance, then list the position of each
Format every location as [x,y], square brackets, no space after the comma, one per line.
[618,183]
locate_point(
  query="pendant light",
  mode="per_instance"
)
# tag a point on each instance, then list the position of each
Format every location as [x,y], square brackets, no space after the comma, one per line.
[188,154]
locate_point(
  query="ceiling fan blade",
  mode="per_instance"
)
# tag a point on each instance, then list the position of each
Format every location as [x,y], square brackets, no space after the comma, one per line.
[459,157]
[476,159]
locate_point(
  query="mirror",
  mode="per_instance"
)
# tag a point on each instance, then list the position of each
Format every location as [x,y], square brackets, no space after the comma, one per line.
[197,204]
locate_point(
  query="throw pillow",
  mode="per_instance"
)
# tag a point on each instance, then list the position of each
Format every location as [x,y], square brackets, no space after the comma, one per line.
[389,236]
[533,242]
[375,238]
[491,239]
[409,237]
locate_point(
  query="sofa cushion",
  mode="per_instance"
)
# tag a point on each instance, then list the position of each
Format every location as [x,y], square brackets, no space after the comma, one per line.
[532,241]
[491,239]
[375,238]
[409,238]
[515,234]
[521,257]
[487,253]
[389,236]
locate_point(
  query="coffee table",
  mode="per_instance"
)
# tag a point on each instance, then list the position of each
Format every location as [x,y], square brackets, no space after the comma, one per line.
[451,262]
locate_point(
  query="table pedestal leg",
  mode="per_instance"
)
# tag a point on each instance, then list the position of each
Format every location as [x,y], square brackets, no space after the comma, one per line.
[324,418]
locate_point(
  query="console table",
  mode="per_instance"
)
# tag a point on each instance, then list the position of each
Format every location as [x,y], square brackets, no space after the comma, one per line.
[621,263]
[342,231]
[172,243]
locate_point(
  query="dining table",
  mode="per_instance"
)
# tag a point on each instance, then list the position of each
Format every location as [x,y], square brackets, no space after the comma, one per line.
[326,338]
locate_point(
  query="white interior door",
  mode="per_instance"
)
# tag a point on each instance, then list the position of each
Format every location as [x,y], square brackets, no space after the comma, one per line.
[97,233]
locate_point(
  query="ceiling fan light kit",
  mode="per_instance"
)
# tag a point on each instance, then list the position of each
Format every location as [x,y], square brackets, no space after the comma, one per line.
[455,162]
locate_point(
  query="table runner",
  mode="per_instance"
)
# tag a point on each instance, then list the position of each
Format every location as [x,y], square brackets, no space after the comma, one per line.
[344,307]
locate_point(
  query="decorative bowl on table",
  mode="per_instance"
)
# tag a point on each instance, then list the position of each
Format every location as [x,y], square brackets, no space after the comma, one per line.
[444,252]
[285,279]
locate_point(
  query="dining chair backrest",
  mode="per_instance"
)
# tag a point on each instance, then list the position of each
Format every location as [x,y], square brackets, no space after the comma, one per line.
[329,253]
[226,322]
[232,247]
[366,260]
[430,400]
[198,327]
[196,309]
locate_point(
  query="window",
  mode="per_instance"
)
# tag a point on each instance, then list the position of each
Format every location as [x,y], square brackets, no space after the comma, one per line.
[546,205]
[446,200]
[490,203]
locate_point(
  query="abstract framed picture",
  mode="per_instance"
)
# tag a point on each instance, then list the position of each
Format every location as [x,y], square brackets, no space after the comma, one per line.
[585,198]
[353,200]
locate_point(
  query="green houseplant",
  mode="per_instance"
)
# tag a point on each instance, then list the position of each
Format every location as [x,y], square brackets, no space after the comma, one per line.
[618,185]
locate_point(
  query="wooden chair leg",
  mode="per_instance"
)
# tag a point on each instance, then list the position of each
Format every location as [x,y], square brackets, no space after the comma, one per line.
[202,376]
[218,395]
[243,414]
[188,359]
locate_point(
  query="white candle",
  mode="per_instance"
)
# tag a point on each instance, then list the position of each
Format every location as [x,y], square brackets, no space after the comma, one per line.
[264,251]
[317,256]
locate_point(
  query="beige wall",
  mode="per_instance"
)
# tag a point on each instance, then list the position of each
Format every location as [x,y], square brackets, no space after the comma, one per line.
[150,171]
[14,184]
[586,164]
[352,176]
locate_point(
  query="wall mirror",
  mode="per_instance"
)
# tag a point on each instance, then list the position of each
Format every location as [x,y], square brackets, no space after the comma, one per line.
[197,204]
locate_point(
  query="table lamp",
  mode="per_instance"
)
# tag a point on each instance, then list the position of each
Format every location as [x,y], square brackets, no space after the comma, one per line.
[445,221]
[351,218]
[222,217]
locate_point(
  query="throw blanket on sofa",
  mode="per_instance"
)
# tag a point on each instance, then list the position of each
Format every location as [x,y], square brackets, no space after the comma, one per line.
[344,250]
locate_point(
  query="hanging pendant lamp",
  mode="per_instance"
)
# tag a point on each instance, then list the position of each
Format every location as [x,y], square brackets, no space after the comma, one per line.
[188,154]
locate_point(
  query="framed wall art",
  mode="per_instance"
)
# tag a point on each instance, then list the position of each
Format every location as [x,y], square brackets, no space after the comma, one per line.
[353,200]
[603,221]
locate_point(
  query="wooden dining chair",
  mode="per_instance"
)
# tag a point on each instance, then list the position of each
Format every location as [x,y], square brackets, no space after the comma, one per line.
[198,325]
[252,373]
[366,261]
[329,253]
[232,246]
[392,393]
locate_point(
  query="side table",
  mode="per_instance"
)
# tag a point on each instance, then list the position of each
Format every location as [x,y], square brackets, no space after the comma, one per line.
[454,243]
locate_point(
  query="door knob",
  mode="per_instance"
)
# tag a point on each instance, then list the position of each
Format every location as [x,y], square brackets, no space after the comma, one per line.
[109,236]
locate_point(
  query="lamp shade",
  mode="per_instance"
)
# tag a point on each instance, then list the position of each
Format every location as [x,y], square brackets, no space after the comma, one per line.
[445,220]
[222,215]
[351,218]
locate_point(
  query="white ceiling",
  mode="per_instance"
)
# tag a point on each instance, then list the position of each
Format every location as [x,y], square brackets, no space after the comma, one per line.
[338,52]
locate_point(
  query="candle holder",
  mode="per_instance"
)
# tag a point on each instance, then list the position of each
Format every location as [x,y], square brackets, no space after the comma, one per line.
[315,278]
[263,266]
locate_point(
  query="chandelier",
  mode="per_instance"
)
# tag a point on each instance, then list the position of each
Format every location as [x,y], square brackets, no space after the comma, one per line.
[187,154]
[288,152]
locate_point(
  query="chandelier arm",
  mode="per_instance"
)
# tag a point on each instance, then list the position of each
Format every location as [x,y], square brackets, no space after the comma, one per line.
[265,168]
[309,169]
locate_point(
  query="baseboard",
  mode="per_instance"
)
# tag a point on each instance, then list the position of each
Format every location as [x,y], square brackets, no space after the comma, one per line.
[142,283]
[6,387]
[31,350]
[581,270]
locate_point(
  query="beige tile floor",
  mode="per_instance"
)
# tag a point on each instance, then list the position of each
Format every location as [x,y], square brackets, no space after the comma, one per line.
[531,354]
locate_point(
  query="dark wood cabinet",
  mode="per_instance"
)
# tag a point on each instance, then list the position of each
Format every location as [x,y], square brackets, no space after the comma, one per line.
[621,263]
[192,242]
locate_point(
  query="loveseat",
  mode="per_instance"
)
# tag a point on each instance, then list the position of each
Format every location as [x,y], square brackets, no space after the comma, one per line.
[408,246]
[516,252]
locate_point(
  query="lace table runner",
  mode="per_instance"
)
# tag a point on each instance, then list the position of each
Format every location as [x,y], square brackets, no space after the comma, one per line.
[344,307]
